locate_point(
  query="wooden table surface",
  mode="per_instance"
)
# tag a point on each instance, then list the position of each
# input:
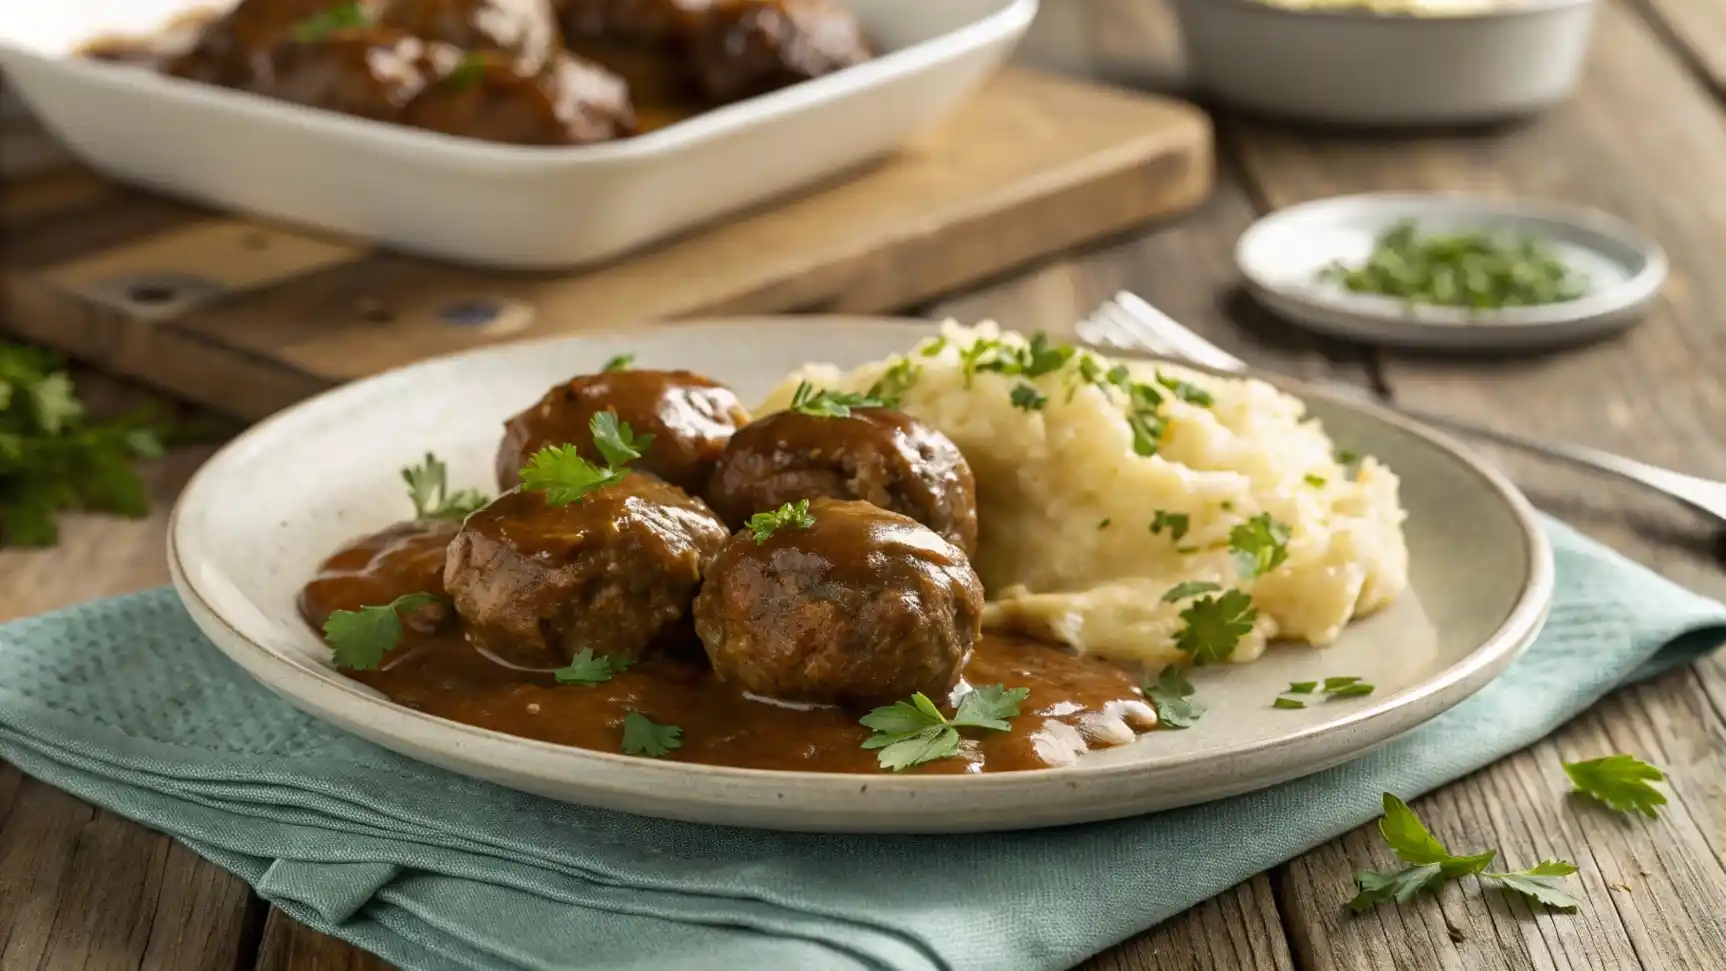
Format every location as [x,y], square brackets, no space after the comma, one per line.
[1645,139]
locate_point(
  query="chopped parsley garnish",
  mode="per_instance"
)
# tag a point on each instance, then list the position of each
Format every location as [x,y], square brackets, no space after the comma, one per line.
[1191,588]
[913,732]
[342,16]
[1142,419]
[1333,688]
[829,404]
[1431,865]
[1621,782]
[1316,481]
[1260,545]
[1104,524]
[642,736]
[1175,522]
[53,459]
[359,639]
[1288,703]
[934,347]
[1171,696]
[621,362]
[1301,687]
[792,515]
[1350,462]
[1191,393]
[1215,626]
[1027,398]
[587,669]
[428,487]
[565,476]
[894,382]
[468,73]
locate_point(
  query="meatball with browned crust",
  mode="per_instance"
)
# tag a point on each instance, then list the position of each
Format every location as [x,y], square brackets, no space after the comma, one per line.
[852,606]
[875,454]
[750,47]
[690,418]
[368,72]
[526,30]
[486,95]
[614,571]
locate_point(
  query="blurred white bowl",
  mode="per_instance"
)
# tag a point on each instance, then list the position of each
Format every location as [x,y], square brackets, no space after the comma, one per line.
[1356,66]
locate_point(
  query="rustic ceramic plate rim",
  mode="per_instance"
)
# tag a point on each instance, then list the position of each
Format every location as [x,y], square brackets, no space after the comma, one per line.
[1498,650]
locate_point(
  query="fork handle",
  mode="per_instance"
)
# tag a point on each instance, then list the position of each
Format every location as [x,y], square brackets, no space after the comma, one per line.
[1696,492]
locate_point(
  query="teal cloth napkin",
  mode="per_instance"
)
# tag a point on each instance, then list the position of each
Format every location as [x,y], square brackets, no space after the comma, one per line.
[123,703]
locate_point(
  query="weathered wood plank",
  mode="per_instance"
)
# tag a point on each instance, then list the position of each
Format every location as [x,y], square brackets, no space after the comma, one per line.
[1698,31]
[1621,395]
[291,946]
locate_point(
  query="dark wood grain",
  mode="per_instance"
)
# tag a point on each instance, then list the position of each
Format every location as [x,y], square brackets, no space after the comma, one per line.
[1697,31]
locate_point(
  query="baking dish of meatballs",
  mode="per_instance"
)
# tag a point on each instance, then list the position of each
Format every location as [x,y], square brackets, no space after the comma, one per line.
[525,72]
[666,576]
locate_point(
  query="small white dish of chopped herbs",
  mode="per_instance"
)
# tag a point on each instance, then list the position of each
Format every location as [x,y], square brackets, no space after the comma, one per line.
[1437,271]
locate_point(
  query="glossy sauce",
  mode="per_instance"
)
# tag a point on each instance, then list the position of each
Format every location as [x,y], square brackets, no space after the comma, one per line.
[1075,703]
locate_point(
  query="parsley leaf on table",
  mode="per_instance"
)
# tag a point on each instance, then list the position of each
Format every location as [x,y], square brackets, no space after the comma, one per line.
[359,639]
[1619,781]
[644,736]
[1171,696]
[587,669]
[1215,626]
[428,488]
[829,404]
[913,732]
[792,515]
[1259,545]
[1540,883]
[1410,841]
[1377,886]
[53,459]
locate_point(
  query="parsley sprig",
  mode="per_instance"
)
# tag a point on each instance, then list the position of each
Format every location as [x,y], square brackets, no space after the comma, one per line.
[1259,545]
[1171,696]
[1621,782]
[829,404]
[428,487]
[468,73]
[566,477]
[54,459]
[589,669]
[913,732]
[894,382]
[1431,865]
[1347,686]
[1175,522]
[341,16]
[1214,626]
[643,736]
[621,362]
[792,515]
[359,639]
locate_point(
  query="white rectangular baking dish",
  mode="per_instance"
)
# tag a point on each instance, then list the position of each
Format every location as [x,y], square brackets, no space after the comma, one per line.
[483,203]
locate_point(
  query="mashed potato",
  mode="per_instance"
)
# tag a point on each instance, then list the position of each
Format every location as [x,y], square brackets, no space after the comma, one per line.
[1081,536]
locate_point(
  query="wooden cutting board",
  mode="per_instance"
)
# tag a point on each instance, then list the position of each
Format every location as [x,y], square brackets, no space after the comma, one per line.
[249,317]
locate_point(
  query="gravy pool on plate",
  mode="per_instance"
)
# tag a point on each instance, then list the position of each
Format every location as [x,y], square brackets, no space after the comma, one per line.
[667,576]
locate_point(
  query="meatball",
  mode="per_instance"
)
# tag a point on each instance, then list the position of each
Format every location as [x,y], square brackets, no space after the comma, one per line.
[874,454]
[689,417]
[375,570]
[525,30]
[234,51]
[615,571]
[861,607]
[368,72]
[750,47]
[487,96]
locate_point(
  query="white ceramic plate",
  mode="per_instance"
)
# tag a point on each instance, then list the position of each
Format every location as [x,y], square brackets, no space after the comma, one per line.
[1282,254]
[477,202]
[258,518]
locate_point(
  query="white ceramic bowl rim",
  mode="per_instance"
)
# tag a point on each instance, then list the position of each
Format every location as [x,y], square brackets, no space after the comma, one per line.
[1499,9]
[1513,634]
[1014,17]
[1641,285]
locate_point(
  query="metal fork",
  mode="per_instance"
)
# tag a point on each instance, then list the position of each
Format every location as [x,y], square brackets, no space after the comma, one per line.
[1128,322]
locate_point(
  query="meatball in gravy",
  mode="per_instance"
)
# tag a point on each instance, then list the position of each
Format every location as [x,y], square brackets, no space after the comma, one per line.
[858,608]
[874,454]
[690,418]
[614,571]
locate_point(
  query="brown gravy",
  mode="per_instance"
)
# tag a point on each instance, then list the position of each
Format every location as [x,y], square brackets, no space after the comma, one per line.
[1075,703]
